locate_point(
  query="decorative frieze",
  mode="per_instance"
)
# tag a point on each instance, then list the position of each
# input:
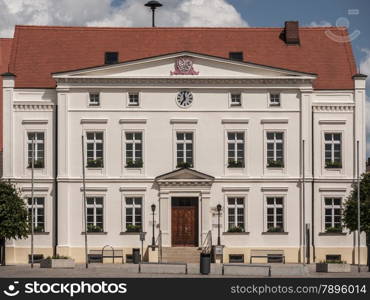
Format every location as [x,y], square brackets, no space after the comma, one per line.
[32,106]
[333,107]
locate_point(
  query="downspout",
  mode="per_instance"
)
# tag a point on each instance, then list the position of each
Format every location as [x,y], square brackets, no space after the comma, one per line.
[354,170]
[55,240]
[300,180]
[313,187]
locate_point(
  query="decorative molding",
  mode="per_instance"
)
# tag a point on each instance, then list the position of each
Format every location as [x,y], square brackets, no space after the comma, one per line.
[274,121]
[330,122]
[94,189]
[35,106]
[94,121]
[274,189]
[332,189]
[333,107]
[235,189]
[132,189]
[35,189]
[235,121]
[184,121]
[132,121]
[35,121]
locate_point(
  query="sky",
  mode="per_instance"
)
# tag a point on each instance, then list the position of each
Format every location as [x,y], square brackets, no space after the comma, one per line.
[353,14]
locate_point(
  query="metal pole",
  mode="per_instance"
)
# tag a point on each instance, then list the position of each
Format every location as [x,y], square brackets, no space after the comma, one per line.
[32,199]
[84,196]
[153,238]
[218,225]
[304,203]
[153,17]
[358,206]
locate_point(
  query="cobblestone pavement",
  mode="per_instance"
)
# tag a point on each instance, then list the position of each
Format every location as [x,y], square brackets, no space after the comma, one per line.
[160,271]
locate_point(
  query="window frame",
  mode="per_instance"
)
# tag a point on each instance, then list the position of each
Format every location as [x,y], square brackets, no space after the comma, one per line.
[95,196]
[235,131]
[94,148]
[274,206]
[333,142]
[273,103]
[129,103]
[235,207]
[180,131]
[266,161]
[133,207]
[332,207]
[125,142]
[235,104]
[91,103]
[29,208]
[28,143]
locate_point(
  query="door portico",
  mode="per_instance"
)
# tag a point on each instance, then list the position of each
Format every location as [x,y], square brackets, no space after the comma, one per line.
[184,207]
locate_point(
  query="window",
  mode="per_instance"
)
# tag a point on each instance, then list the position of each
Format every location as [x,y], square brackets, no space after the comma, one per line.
[235,149]
[333,150]
[235,209]
[236,56]
[111,58]
[94,99]
[39,149]
[184,149]
[274,99]
[133,99]
[275,149]
[94,214]
[134,150]
[38,213]
[275,214]
[133,214]
[333,214]
[94,145]
[236,99]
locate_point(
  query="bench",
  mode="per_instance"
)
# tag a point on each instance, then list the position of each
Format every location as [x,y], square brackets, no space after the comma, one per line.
[271,255]
[97,256]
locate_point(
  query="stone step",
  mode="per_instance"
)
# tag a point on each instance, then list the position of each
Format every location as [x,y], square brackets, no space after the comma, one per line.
[181,254]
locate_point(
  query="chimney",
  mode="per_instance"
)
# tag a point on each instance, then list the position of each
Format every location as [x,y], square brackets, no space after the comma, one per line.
[291,32]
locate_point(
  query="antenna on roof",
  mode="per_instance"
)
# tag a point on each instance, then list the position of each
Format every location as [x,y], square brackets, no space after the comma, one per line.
[153,6]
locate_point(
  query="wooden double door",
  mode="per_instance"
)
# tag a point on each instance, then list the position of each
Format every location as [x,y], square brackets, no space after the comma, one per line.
[184,221]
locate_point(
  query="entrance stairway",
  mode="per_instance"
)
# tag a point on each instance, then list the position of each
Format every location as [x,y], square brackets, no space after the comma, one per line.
[180,254]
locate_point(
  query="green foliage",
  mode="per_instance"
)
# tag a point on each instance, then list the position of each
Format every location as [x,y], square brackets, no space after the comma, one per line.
[333,165]
[275,229]
[133,228]
[38,164]
[95,163]
[333,229]
[93,228]
[350,206]
[184,165]
[235,164]
[275,164]
[236,229]
[13,213]
[138,163]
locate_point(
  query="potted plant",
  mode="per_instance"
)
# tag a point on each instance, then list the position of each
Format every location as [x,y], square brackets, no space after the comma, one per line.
[235,164]
[58,262]
[95,163]
[138,163]
[333,266]
[275,163]
[94,228]
[236,229]
[37,164]
[38,229]
[184,164]
[275,229]
[334,229]
[333,164]
[133,228]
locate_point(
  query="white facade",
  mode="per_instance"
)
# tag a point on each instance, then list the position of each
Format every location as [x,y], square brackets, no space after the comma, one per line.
[301,120]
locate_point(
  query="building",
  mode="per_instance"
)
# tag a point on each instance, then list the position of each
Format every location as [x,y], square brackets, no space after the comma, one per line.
[262,121]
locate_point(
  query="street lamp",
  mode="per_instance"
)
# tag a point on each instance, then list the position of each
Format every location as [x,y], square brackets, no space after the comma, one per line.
[153,238]
[153,6]
[218,225]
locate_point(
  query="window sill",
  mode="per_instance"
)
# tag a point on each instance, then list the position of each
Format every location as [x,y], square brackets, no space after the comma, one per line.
[332,233]
[131,233]
[95,233]
[275,233]
[40,233]
[94,168]
[275,168]
[235,233]
[134,168]
[333,169]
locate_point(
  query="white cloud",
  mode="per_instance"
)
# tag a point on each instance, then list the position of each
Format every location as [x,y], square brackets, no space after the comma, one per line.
[129,13]
[320,24]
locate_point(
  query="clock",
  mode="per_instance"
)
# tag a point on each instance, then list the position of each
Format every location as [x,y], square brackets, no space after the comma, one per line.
[184,99]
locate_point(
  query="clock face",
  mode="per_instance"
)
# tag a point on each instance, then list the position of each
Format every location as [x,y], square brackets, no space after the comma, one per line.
[184,98]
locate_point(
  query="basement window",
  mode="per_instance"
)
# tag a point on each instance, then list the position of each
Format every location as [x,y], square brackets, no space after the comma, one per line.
[236,258]
[333,258]
[236,56]
[111,58]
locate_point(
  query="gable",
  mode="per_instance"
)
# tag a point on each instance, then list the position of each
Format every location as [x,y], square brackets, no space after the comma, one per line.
[184,64]
[184,174]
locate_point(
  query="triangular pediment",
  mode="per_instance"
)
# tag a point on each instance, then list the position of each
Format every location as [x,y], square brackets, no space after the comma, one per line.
[185,65]
[184,174]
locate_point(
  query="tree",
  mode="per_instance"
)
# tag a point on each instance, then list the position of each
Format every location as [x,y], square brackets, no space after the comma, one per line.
[13,216]
[350,210]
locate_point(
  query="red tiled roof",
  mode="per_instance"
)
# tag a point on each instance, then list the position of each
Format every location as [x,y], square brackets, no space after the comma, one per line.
[5,49]
[41,50]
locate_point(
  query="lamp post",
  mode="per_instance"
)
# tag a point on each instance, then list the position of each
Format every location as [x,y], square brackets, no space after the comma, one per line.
[153,238]
[218,224]
[153,6]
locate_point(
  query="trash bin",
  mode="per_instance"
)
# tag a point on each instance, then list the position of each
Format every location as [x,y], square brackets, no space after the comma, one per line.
[136,255]
[205,263]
